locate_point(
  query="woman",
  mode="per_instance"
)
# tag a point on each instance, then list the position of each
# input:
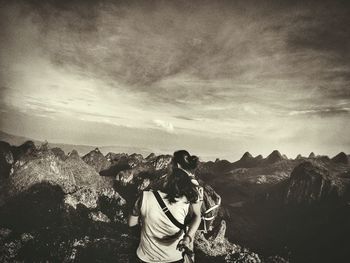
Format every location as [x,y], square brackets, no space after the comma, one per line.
[161,240]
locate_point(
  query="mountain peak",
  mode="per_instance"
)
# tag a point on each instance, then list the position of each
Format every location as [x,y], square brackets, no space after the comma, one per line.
[340,158]
[97,150]
[246,156]
[312,155]
[74,154]
[275,156]
[299,156]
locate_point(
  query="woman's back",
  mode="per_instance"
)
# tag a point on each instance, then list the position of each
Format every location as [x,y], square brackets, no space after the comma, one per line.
[159,236]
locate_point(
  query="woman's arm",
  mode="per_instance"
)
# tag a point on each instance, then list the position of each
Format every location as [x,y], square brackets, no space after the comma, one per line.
[133,219]
[193,226]
[196,219]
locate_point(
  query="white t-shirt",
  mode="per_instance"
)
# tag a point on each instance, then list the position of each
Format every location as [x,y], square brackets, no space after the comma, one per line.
[158,234]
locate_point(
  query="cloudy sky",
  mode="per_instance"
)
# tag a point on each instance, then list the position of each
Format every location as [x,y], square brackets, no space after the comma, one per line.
[215,77]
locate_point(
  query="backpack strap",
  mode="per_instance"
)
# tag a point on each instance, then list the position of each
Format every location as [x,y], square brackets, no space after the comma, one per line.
[204,215]
[167,211]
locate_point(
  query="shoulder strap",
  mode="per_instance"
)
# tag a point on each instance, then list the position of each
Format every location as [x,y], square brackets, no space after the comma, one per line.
[167,212]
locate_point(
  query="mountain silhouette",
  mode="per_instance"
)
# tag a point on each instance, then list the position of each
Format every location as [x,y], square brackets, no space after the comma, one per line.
[274,157]
[341,158]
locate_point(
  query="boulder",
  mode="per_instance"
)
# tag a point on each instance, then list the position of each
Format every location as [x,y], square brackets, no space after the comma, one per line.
[311,182]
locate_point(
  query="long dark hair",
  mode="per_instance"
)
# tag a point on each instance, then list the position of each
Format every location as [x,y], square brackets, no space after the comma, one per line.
[179,184]
[187,161]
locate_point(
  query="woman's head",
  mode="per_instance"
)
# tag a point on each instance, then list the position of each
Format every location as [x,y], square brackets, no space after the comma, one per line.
[179,184]
[184,160]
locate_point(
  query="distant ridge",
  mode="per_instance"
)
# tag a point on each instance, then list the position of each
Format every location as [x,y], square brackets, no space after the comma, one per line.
[80,148]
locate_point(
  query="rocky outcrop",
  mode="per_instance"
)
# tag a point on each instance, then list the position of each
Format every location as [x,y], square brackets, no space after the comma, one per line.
[26,148]
[59,153]
[97,160]
[161,162]
[341,158]
[71,174]
[218,248]
[310,182]
[6,160]
[211,198]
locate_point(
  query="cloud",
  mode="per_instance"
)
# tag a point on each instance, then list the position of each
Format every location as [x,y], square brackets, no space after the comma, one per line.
[219,69]
[167,126]
[323,112]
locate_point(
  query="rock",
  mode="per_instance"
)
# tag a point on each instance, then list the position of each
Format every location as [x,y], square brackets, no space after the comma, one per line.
[310,182]
[210,250]
[99,217]
[217,245]
[89,197]
[85,196]
[116,157]
[39,205]
[4,234]
[135,159]
[9,251]
[97,160]
[161,162]
[26,148]
[135,175]
[341,158]
[74,155]
[25,237]
[6,160]
[211,198]
[70,174]
[58,152]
